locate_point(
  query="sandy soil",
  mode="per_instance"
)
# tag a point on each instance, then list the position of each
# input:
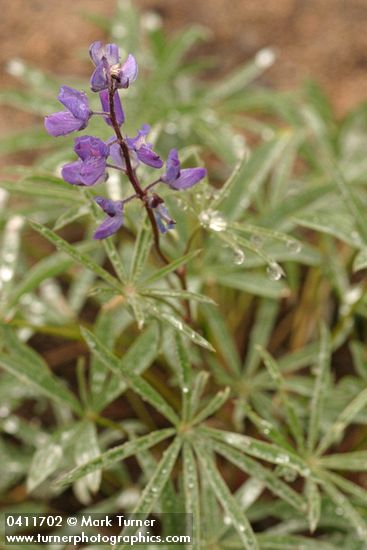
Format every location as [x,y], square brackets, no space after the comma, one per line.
[322,38]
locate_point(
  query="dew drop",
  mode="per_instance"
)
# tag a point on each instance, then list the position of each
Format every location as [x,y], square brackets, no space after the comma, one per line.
[227,520]
[274,271]
[217,223]
[294,246]
[212,219]
[185,389]
[239,256]
[265,58]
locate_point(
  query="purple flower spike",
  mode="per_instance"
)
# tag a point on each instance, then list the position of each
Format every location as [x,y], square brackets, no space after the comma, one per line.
[120,115]
[114,220]
[181,179]
[75,118]
[91,166]
[144,151]
[107,61]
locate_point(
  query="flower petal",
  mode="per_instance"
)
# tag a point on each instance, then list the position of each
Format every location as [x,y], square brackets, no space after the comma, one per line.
[112,208]
[99,80]
[62,123]
[93,171]
[120,115]
[128,72]
[188,177]
[97,50]
[75,101]
[108,227]
[173,166]
[148,156]
[90,146]
[71,172]
[111,53]
[115,154]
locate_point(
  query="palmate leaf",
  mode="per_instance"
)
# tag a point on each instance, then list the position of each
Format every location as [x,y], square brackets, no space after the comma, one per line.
[37,375]
[45,187]
[240,78]
[86,450]
[249,178]
[259,449]
[226,499]
[222,338]
[291,415]
[214,404]
[136,359]
[136,382]
[352,461]
[142,248]
[320,388]
[179,294]
[260,334]
[156,484]
[313,504]
[48,267]
[116,454]
[345,418]
[347,509]
[74,253]
[185,375]
[166,270]
[191,491]
[257,471]
[180,326]
[251,283]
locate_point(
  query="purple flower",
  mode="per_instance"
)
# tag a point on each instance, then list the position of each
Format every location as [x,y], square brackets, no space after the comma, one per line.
[106,59]
[119,112]
[75,118]
[161,214]
[140,151]
[143,150]
[178,178]
[114,220]
[90,168]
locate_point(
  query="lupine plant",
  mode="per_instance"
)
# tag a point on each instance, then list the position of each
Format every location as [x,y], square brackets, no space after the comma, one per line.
[176,339]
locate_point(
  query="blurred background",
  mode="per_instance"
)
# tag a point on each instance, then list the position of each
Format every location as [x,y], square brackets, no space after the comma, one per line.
[325,39]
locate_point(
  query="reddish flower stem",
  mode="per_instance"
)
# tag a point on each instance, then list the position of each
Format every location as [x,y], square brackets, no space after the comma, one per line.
[142,194]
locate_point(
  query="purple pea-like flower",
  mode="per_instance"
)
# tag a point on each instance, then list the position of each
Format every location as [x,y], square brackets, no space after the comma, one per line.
[140,151]
[119,112]
[90,168]
[75,118]
[114,220]
[161,214]
[106,59]
[143,150]
[178,178]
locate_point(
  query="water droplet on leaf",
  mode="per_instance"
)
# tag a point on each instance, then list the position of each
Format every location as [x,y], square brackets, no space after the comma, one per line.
[294,246]
[274,271]
[239,257]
